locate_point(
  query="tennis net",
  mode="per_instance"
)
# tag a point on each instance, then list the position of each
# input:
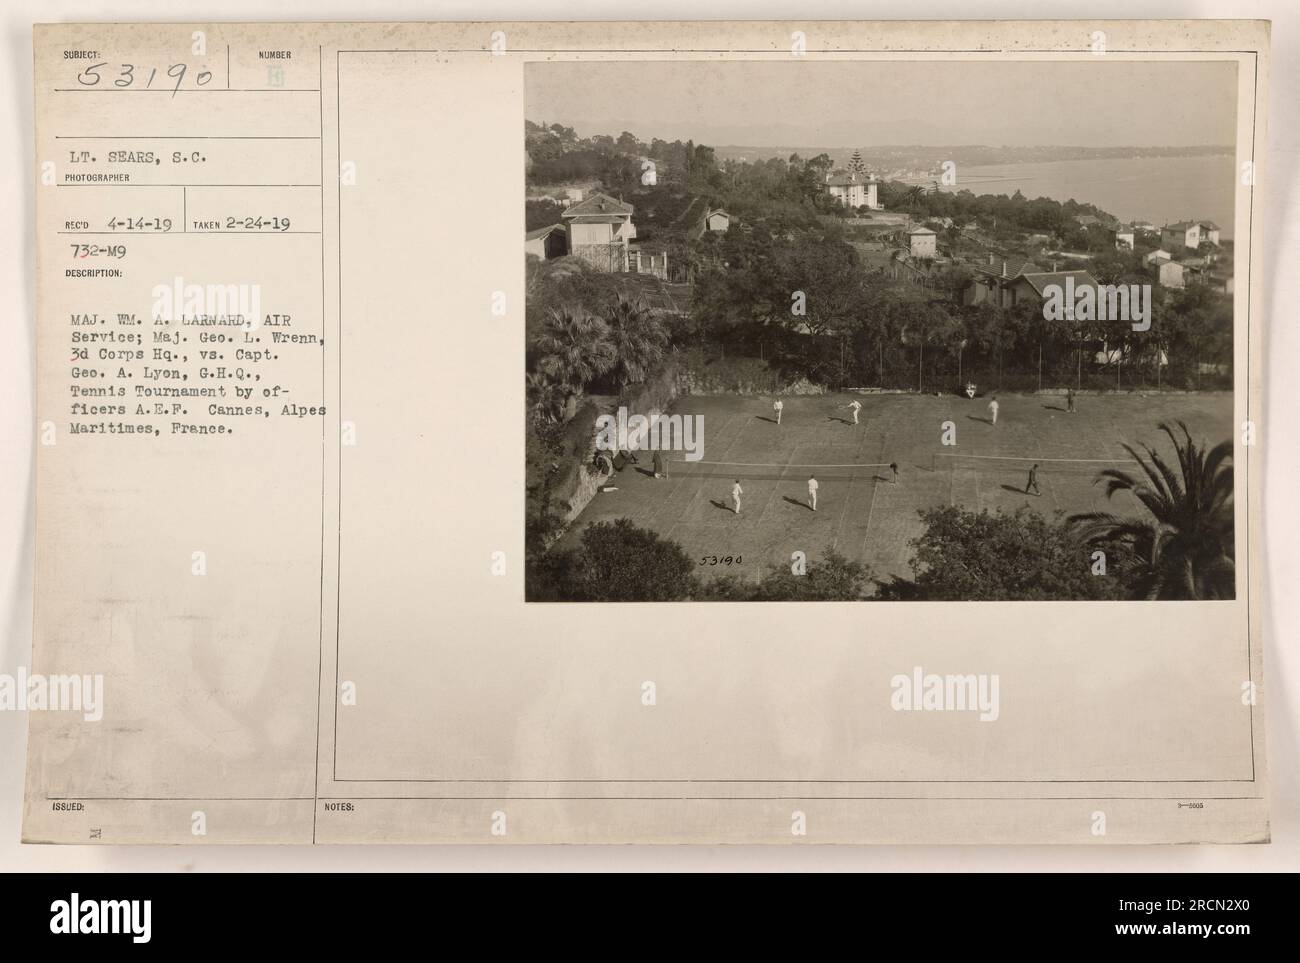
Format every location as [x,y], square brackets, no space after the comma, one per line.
[777,472]
[946,461]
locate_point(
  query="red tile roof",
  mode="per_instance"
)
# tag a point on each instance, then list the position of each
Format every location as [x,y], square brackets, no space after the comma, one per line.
[848,180]
[1040,281]
[596,219]
[1015,267]
[597,204]
[542,232]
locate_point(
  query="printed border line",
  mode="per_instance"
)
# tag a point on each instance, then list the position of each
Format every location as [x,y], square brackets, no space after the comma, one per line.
[181,799]
[992,54]
[1250,290]
[508,799]
[414,798]
[338,434]
[825,782]
[775,51]
[320,615]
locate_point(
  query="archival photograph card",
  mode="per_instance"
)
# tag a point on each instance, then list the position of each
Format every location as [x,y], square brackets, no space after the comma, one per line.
[648,432]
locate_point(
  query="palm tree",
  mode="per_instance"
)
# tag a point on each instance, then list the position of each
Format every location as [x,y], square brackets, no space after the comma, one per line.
[1184,546]
[638,337]
[545,398]
[574,349]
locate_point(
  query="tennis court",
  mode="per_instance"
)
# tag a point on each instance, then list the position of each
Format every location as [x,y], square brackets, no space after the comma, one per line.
[861,512]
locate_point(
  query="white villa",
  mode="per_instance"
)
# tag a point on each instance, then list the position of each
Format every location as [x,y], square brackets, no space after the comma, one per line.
[1188,234]
[854,190]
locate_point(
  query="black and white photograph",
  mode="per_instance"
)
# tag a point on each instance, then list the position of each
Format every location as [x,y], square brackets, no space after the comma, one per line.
[891,330]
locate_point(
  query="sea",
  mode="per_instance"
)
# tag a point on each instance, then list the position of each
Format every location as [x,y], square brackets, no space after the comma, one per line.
[1162,190]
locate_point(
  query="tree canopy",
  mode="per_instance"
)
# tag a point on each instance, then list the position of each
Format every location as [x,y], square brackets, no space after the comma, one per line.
[995,556]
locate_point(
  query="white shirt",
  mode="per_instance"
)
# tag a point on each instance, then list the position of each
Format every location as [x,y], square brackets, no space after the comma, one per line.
[778,405]
[812,485]
[855,405]
[993,406]
[735,490]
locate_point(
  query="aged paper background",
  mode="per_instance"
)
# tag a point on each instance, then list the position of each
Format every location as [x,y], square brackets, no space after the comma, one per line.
[475,703]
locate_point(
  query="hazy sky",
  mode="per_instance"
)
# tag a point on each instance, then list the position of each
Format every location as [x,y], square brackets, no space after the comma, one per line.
[1099,103]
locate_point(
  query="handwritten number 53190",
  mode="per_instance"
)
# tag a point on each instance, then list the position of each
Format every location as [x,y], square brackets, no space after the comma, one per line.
[128,77]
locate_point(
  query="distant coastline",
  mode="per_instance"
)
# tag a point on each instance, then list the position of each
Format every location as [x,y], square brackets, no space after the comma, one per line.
[1161,190]
[1157,184]
[895,156]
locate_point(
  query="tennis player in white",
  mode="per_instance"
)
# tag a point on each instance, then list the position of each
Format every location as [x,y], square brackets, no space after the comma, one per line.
[812,493]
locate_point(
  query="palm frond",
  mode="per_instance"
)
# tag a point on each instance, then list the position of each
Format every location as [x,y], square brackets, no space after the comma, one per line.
[1184,541]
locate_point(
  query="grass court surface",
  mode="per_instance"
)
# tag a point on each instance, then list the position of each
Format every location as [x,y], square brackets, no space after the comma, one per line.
[859,512]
